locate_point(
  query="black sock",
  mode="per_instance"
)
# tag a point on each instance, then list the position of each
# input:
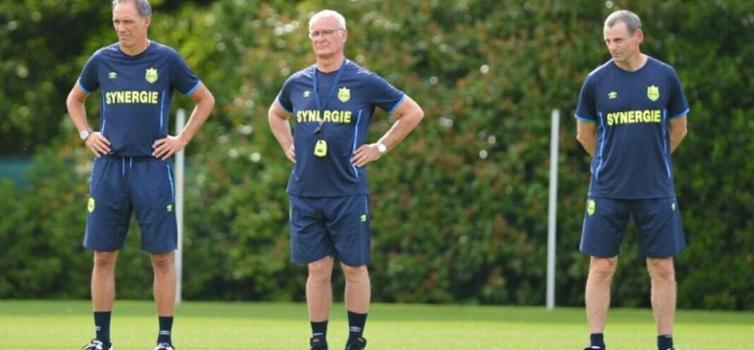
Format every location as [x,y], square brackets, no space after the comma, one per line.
[102,326]
[356,323]
[597,339]
[319,328]
[166,327]
[664,342]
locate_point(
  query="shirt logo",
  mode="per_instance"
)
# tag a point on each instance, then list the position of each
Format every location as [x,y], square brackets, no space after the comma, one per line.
[307,93]
[344,94]
[612,95]
[653,92]
[151,75]
[112,75]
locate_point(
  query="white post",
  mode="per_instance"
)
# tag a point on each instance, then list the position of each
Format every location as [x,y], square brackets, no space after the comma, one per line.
[180,121]
[552,208]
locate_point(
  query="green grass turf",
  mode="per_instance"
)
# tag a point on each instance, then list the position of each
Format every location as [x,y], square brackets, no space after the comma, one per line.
[63,324]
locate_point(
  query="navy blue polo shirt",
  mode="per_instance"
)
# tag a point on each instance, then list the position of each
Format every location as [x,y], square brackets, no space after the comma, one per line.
[337,110]
[632,111]
[135,94]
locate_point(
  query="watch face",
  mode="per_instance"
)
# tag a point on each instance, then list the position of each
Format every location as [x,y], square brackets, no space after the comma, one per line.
[381,147]
[84,134]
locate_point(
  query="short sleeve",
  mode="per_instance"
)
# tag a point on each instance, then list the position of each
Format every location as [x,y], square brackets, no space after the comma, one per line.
[183,79]
[88,79]
[586,109]
[383,94]
[284,96]
[677,104]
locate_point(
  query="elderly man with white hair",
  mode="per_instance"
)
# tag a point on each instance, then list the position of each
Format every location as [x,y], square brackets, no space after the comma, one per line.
[332,102]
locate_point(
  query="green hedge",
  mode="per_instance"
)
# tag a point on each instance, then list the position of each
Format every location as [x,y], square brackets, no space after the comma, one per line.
[460,208]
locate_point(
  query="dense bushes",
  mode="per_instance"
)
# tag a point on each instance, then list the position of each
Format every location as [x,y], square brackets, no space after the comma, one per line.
[460,207]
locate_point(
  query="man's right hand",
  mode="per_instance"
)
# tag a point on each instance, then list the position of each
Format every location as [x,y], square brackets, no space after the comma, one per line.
[98,144]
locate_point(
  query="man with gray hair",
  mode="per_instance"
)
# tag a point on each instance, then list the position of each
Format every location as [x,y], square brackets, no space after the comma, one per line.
[132,168]
[333,102]
[631,116]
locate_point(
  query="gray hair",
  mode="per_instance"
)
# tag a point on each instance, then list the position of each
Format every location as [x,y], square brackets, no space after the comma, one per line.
[632,21]
[142,6]
[329,13]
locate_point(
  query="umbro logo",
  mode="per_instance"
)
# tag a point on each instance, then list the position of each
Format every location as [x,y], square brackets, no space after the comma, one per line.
[112,75]
[612,95]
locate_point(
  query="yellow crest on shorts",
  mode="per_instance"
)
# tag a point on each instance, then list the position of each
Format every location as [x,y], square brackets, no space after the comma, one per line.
[151,75]
[591,206]
[90,205]
[344,94]
[653,92]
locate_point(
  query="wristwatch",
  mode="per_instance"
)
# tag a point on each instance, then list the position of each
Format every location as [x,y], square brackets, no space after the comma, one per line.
[381,147]
[85,134]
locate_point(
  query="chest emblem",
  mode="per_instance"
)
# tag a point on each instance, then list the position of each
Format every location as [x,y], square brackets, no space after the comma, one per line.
[612,95]
[307,93]
[151,75]
[112,75]
[344,94]
[653,92]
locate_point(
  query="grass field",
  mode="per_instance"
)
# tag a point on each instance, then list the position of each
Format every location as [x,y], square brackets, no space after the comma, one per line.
[209,325]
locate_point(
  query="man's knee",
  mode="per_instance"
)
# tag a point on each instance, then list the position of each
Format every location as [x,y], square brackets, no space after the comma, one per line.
[661,269]
[105,260]
[320,271]
[355,274]
[163,263]
[602,269]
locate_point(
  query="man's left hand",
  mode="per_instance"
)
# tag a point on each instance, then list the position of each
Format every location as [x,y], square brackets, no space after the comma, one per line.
[366,154]
[166,147]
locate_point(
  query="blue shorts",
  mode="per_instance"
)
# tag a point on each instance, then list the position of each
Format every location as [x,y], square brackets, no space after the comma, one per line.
[121,185]
[658,223]
[330,226]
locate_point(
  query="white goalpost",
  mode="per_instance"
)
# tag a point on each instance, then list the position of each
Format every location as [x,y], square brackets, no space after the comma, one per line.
[552,208]
[180,121]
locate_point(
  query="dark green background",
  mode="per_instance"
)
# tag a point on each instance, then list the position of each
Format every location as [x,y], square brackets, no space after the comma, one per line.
[460,208]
